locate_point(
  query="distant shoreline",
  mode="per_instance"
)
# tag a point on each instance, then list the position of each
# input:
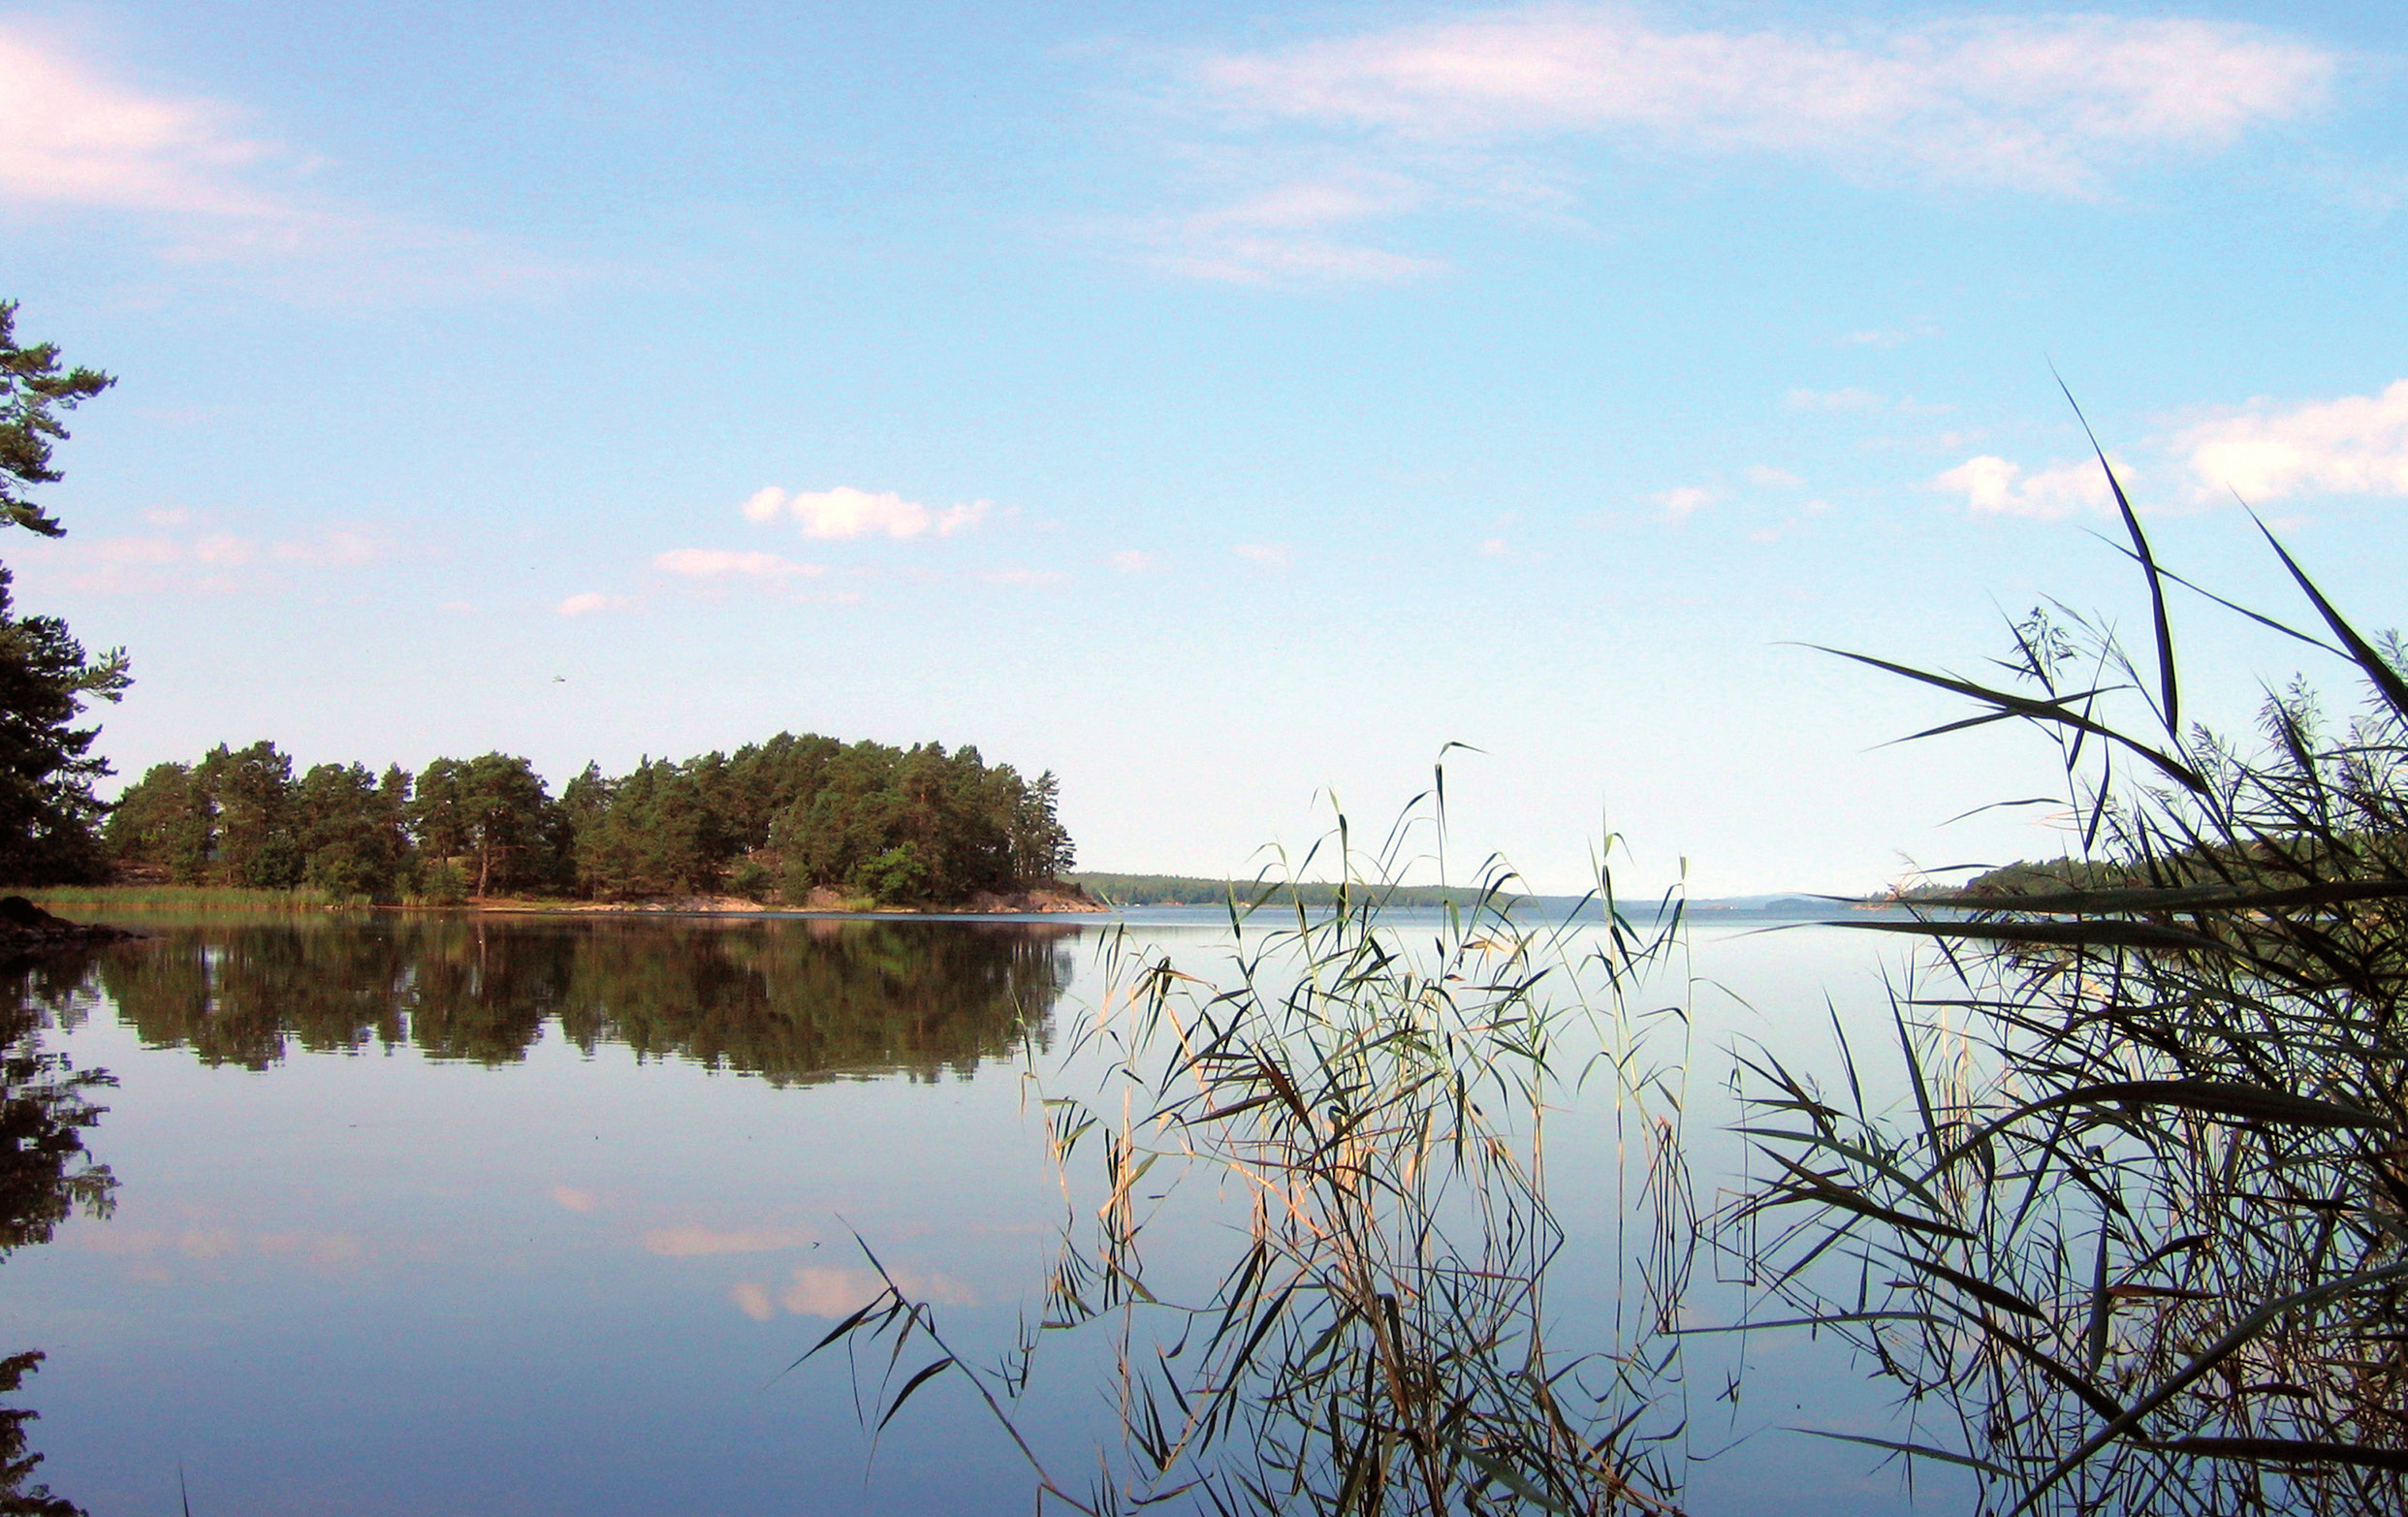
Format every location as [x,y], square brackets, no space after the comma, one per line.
[1048,901]
[1077,897]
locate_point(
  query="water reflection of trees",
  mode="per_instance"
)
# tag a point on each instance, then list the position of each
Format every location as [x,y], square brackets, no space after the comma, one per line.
[45,1176]
[793,1002]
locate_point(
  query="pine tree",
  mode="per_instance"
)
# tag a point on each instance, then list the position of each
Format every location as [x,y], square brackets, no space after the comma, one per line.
[47,767]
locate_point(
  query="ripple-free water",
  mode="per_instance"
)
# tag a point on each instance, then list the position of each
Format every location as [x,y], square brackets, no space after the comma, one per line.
[529,1216]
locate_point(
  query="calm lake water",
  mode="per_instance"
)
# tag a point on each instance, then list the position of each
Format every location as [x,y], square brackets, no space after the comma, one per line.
[533,1216]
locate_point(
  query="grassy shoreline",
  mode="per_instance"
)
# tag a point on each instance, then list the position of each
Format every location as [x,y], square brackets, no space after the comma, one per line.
[1068,901]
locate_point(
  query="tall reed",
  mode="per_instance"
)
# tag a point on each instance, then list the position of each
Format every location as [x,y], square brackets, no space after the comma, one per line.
[1376,1339]
[2137,1245]
[189,898]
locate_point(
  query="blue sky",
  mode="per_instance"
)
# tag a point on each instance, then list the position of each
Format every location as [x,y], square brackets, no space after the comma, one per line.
[1223,408]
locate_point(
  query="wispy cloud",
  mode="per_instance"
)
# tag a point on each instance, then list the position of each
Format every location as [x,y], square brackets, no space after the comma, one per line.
[1271,555]
[845,513]
[69,137]
[2356,445]
[1294,230]
[718,563]
[835,1293]
[1684,501]
[2045,104]
[1315,142]
[593,603]
[1765,476]
[207,188]
[1131,561]
[205,562]
[1991,485]
[1887,336]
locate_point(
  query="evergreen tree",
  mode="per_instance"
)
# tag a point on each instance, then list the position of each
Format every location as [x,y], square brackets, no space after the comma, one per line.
[250,791]
[162,826]
[46,809]
[32,392]
[47,767]
[351,830]
[493,811]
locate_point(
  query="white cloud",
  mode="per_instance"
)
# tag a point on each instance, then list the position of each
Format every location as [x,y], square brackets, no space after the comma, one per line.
[1765,476]
[77,143]
[592,603]
[1284,231]
[223,552]
[1684,501]
[1271,555]
[335,547]
[208,563]
[67,137]
[1495,547]
[834,1293]
[1993,487]
[1131,561]
[2043,102]
[2356,445]
[1206,253]
[707,563]
[845,513]
[1301,149]
[753,1299]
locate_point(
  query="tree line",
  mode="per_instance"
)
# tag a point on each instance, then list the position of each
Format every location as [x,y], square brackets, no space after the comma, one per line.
[774,820]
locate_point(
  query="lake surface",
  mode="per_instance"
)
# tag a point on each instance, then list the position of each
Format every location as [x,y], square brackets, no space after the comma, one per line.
[532,1215]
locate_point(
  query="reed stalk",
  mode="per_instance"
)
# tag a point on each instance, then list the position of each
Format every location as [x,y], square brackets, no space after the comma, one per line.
[1372,1112]
[2138,1245]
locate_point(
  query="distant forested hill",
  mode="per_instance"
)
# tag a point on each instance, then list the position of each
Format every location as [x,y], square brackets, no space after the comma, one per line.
[773,821]
[1184,890]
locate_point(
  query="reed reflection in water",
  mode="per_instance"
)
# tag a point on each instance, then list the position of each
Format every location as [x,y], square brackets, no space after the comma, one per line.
[791,1002]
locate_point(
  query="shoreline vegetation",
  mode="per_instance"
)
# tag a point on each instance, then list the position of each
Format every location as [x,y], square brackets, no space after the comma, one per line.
[1059,897]
[794,823]
[1074,893]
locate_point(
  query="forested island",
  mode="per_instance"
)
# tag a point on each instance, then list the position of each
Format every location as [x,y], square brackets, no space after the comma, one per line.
[799,821]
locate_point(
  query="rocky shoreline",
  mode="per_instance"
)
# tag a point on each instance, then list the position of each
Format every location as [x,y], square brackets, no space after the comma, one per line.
[27,931]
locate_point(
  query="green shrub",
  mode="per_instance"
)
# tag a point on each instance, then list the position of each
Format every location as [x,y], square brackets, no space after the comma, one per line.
[443,884]
[751,880]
